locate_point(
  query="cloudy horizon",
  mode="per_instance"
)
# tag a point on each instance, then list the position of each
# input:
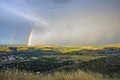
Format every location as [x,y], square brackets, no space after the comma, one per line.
[60,22]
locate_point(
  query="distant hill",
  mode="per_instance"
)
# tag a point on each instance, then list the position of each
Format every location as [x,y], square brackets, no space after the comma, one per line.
[62,49]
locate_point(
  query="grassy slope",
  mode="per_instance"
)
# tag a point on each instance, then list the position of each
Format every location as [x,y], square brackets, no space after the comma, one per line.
[78,75]
[107,65]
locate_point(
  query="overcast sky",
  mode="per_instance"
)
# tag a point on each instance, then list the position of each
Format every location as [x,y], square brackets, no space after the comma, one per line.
[60,22]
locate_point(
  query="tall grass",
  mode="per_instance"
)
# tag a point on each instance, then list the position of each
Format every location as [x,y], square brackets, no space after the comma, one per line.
[78,75]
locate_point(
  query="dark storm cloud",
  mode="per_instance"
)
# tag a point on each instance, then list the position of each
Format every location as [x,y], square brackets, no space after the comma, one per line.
[61,1]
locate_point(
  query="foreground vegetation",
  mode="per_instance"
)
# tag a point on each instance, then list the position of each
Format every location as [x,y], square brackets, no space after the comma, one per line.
[59,63]
[50,68]
[77,75]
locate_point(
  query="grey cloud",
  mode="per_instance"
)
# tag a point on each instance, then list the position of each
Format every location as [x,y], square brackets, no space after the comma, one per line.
[63,22]
[84,29]
[61,1]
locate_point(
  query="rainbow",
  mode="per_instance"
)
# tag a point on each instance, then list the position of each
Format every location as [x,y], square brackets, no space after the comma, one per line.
[31,33]
[29,39]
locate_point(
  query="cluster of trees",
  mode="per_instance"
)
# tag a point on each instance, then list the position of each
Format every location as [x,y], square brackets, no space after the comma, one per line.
[39,65]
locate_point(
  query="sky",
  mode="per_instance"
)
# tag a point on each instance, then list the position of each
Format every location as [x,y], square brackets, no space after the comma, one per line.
[59,22]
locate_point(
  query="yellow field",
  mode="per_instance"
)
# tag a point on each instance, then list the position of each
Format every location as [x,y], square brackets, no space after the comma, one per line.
[63,49]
